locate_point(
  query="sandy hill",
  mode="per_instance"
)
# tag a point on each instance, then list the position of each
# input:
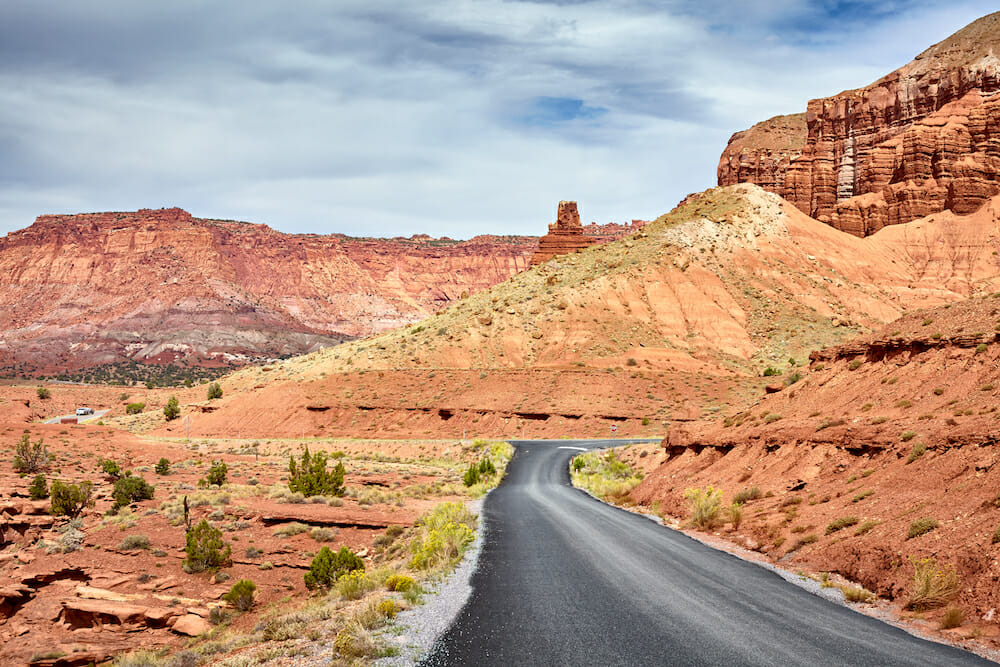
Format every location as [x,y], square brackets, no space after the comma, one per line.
[676,321]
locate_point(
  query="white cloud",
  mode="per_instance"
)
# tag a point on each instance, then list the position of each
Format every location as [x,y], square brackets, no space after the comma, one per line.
[373,118]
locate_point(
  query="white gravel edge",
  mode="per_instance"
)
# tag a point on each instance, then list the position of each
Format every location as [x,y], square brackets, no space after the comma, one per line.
[415,630]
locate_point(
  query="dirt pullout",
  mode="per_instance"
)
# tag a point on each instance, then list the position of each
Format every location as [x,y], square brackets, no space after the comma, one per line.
[897,427]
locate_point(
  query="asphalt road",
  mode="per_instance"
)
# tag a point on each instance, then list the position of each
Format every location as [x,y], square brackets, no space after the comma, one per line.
[566,580]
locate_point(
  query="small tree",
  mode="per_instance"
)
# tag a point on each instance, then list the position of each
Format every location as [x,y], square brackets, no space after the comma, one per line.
[327,567]
[39,489]
[471,477]
[241,594]
[111,468]
[217,473]
[70,499]
[135,408]
[311,478]
[172,410]
[163,466]
[214,391]
[43,393]
[30,457]
[130,489]
[206,549]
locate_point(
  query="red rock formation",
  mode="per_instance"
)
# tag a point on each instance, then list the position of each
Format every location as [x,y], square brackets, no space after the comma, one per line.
[158,286]
[565,235]
[916,142]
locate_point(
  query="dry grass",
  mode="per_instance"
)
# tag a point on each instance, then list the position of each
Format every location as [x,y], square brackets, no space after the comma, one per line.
[933,585]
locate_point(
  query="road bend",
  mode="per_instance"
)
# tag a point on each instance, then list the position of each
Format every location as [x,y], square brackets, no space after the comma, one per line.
[566,580]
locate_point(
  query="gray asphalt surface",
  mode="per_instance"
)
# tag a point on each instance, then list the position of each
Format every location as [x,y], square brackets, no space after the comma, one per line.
[82,418]
[566,580]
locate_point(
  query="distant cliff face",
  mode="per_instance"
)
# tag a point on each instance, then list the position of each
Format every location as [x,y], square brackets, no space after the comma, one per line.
[918,141]
[162,286]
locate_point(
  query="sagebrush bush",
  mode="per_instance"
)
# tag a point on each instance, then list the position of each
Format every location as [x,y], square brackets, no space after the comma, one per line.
[39,488]
[30,457]
[134,408]
[311,478]
[322,534]
[327,567]
[745,495]
[70,499]
[920,527]
[241,594]
[132,542]
[918,450]
[399,582]
[205,548]
[933,585]
[443,535]
[952,618]
[128,490]
[841,523]
[354,641]
[705,505]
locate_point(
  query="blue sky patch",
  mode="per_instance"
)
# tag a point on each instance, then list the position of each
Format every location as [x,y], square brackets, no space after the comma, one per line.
[554,111]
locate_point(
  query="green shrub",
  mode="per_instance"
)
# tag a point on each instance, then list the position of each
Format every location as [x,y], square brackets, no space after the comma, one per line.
[920,527]
[241,594]
[39,489]
[162,466]
[982,347]
[311,478]
[290,529]
[841,523]
[172,410]
[217,473]
[746,495]
[471,476]
[134,408]
[908,435]
[735,511]
[865,527]
[30,457]
[854,365]
[205,548]
[70,499]
[933,585]
[111,468]
[128,490]
[771,371]
[918,450]
[43,393]
[705,504]
[327,567]
[214,391]
[132,542]
[771,418]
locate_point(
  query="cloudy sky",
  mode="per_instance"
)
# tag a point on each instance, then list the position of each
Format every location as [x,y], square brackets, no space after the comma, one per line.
[445,117]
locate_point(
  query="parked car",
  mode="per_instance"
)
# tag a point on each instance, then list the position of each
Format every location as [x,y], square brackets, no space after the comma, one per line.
[85,411]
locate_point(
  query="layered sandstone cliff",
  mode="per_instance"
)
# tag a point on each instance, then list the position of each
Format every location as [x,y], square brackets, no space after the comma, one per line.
[162,286]
[918,141]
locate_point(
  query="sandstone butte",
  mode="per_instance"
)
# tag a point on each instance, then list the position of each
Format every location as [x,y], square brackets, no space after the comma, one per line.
[161,286]
[565,235]
[917,141]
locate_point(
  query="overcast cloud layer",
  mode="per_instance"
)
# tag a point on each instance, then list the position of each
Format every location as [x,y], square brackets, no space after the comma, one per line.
[451,118]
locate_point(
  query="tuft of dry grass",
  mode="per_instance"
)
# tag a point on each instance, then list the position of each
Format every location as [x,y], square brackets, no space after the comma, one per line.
[933,585]
[857,594]
[952,618]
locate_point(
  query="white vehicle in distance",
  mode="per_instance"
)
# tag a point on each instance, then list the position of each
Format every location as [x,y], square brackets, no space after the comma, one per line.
[84,411]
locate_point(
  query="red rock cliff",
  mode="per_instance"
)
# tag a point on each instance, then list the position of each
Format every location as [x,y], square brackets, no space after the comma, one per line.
[916,142]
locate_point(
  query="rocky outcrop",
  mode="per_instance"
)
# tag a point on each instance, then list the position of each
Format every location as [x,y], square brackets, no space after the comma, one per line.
[918,141]
[565,235]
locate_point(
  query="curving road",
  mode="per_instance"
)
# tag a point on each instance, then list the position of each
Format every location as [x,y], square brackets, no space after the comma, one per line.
[566,580]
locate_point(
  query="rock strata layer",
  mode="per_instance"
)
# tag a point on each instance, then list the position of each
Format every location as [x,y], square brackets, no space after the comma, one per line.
[919,141]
